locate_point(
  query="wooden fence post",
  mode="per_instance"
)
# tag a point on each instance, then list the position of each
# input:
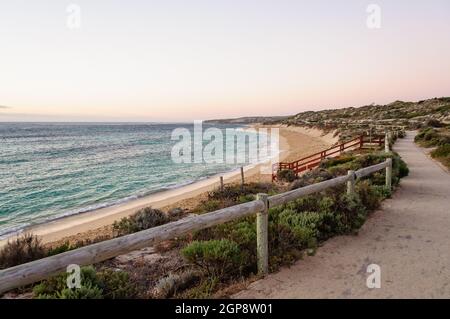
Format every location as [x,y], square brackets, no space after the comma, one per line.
[242,178]
[389,174]
[221,183]
[351,183]
[386,143]
[262,235]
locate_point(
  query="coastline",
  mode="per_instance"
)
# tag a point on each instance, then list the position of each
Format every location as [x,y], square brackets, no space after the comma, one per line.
[295,142]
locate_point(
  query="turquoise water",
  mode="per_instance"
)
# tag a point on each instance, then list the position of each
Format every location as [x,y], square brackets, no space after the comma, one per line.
[52,170]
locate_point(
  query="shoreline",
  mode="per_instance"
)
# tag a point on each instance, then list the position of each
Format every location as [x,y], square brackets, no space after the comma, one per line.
[294,143]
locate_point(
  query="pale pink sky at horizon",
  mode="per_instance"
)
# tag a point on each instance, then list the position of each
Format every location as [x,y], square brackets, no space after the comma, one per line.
[179,60]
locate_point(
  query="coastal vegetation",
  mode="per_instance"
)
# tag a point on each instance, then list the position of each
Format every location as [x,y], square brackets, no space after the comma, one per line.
[436,135]
[353,121]
[101,284]
[21,250]
[143,219]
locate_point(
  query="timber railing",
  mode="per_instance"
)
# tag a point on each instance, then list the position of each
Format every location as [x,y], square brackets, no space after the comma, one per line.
[311,161]
[41,269]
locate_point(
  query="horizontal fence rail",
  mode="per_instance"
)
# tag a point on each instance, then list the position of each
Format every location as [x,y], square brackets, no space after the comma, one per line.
[41,269]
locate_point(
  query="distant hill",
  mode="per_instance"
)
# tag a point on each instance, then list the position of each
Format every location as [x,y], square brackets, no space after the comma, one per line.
[353,120]
[350,121]
[397,113]
[249,120]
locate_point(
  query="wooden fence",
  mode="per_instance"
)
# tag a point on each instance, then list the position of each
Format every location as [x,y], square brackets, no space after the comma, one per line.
[311,161]
[38,270]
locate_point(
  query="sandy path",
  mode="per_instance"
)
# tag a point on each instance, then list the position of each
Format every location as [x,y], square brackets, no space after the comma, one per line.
[409,239]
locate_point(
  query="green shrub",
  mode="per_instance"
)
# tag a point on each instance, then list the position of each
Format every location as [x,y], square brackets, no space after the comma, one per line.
[441,151]
[403,169]
[383,191]
[430,137]
[21,250]
[233,192]
[304,226]
[144,219]
[106,284]
[56,287]
[307,203]
[211,205]
[369,195]
[216,257]
[315,176]
[286,175]
[421,134]
[246,198]
[353,211]
[60,249]
[242,232]
[336,161]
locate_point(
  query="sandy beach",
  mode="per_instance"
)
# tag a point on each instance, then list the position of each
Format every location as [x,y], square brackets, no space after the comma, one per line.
[295,142]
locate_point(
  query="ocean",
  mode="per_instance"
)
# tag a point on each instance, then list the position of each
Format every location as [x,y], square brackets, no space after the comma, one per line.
[51,170]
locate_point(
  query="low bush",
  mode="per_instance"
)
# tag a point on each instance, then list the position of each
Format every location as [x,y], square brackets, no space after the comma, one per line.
[303,225]
[430,137]
[246,198]
[144,219]
[234,191]
[350,213]
[105,284]
[403,169]
[242,232]
[315,176]
[217,257]
[211,205]
[434,123]
[442,153]
[168,286]
[336,161]
[370,197]
[232,195]
[60,249]
[21,250]
[286,175]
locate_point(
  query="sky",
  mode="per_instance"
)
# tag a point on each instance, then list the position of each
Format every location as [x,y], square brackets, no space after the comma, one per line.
[184,60]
